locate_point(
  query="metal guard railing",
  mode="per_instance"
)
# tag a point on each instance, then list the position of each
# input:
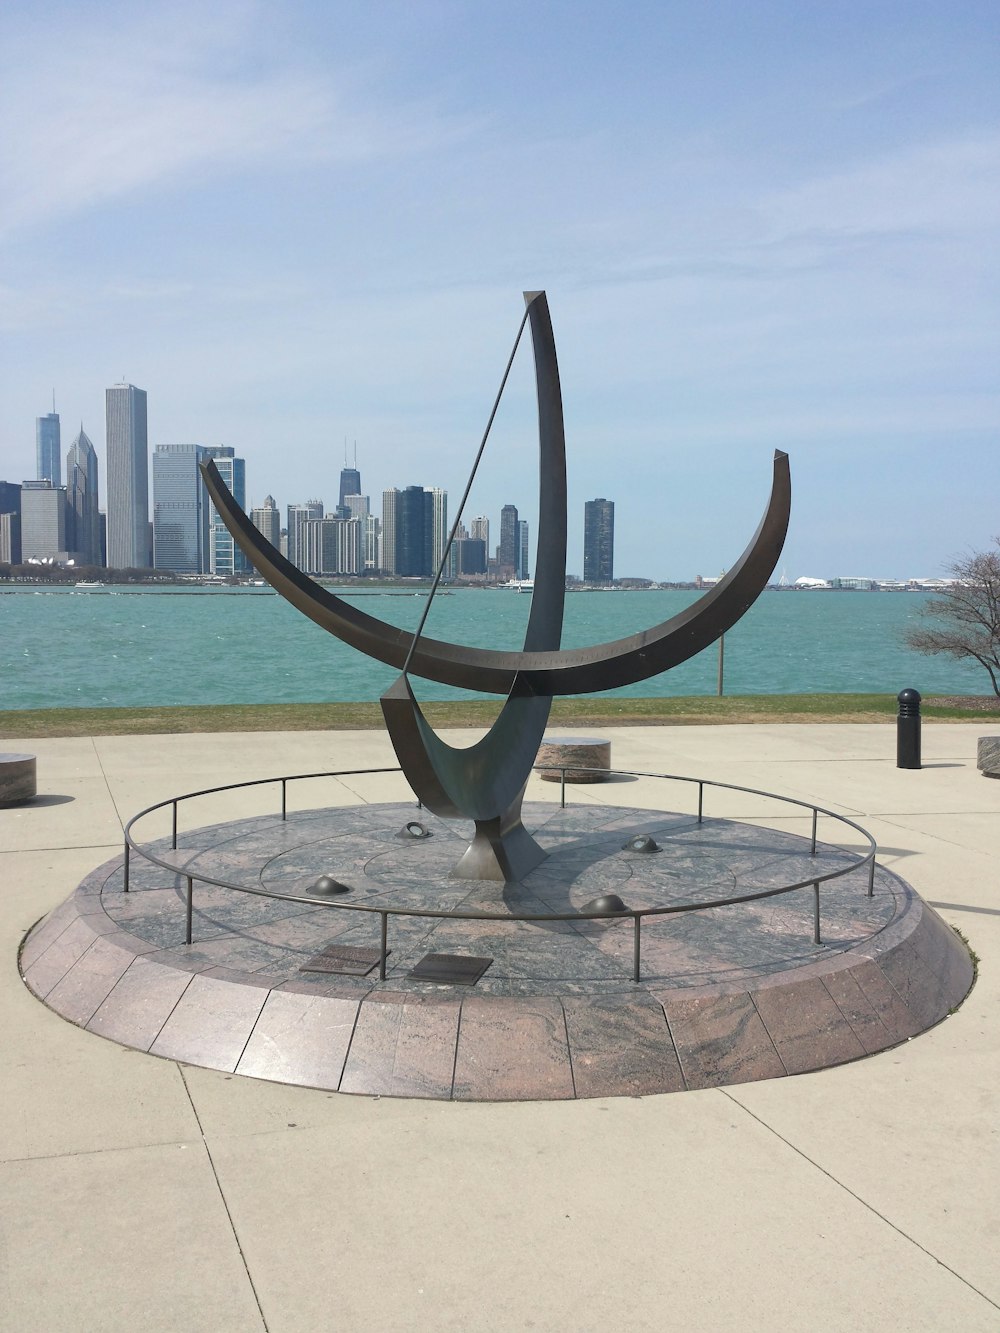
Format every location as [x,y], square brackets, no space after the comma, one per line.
[636,915]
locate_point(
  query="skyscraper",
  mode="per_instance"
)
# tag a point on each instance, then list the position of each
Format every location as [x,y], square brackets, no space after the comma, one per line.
[390,507]
[128,477]
[522,549]
[10,523]
[297,516]
[350,484]
[43,521]
[479,528]
[268,520]
[414,532]
[439,526]
[180,509]
[224,556]
[83,523]
[599,541]
[48,452]
[507,550]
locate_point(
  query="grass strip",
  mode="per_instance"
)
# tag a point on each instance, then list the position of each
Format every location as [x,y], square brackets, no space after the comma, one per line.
[589,712]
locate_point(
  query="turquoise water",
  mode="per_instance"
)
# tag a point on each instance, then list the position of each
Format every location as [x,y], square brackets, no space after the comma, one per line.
[159,647]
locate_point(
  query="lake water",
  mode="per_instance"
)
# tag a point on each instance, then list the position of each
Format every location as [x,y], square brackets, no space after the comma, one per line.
[62,648]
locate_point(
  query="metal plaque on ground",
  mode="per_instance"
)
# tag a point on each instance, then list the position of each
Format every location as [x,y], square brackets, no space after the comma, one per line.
[450,969]
[347,959]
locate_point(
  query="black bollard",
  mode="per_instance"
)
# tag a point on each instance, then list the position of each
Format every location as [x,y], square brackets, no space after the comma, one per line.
[908,729]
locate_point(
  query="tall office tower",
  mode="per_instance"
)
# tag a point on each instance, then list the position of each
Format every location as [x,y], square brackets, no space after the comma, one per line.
[224,556]
[10,539]
[522,549]
[414,532]
[372,539]
[480,529]
[439,526]
[83,524]
[599,541]
[470,556]
[180,509]
[43,521]
[351,546]
[507,550]
[48,452]
[297,516]
[267,519]
[350,484]
[390,508]
[128,478]
[356,506]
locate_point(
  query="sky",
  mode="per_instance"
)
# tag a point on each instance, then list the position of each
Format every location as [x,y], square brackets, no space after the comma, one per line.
[302,227]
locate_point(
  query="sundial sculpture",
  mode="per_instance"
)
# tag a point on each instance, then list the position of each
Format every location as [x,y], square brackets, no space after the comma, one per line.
[486,782]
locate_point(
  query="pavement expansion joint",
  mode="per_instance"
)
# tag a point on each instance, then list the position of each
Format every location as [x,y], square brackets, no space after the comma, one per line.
[290,991]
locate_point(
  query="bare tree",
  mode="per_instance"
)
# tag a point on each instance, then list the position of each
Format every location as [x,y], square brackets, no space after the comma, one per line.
[967,615]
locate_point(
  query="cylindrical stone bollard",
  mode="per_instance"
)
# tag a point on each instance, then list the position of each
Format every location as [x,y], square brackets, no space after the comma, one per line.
[908,729]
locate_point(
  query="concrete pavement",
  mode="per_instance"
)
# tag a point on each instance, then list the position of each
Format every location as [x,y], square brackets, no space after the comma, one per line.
[137,1191]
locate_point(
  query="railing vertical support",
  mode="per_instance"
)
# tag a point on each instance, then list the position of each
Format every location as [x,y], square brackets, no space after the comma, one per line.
[284,798]
[382,945]
[816,938]
[173,842]
[815,820]
[871,877]
[190,907]
[701,799]
[126,866]
[636,947]
[562,789]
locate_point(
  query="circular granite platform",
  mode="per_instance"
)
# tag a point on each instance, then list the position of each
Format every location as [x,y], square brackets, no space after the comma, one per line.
[727,995]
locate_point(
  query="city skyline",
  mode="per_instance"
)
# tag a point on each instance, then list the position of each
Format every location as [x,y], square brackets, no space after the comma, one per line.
[759,227]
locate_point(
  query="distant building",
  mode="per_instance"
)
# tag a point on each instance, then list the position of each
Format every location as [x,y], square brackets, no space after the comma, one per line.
[372,542]
[83,523]
[48,451]
[127,478]
[43,521]
[480,528]
[439,526]
[224,556]
[350,484]
[356,506]
[469,557]
[267,519]
[10,523]
[387,549]
[180,509]
[414,532]
[507,550]
[522,550]
[599,541]
[298,516]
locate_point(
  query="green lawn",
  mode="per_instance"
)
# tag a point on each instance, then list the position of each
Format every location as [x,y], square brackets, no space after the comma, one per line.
[602,712]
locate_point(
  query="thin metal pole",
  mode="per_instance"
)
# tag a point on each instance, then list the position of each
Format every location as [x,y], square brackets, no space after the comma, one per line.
[816,938]
[127,850]
[815,818]
[382,946]
[174,842]
[722,662]
[562,788]
[871,877]
[636,945]
[284,807]
[190,906]
[701,795]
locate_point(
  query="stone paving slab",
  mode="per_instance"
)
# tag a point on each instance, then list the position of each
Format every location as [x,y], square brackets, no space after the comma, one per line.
[726,995]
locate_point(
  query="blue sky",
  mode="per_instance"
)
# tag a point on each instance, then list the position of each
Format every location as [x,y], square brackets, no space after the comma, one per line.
[760,225]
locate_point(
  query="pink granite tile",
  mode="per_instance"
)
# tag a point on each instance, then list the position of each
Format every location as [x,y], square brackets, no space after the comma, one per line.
[88,983]
[51,966]
[403,1050]
[620,1047]
[46,932]
[141,1002]
[721,1039]
[853,1003]
[884,999]
[211,1024]
[512,1050]
[807,1028]
[300,1039]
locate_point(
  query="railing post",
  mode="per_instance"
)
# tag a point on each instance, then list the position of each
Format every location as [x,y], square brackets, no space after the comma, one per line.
[701,798]
[562,789]
[815,818]
[284,806]
[382,945]
[126,867]
[190,907]
[816,938]
[636,947]
[174,842]
[871,877]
